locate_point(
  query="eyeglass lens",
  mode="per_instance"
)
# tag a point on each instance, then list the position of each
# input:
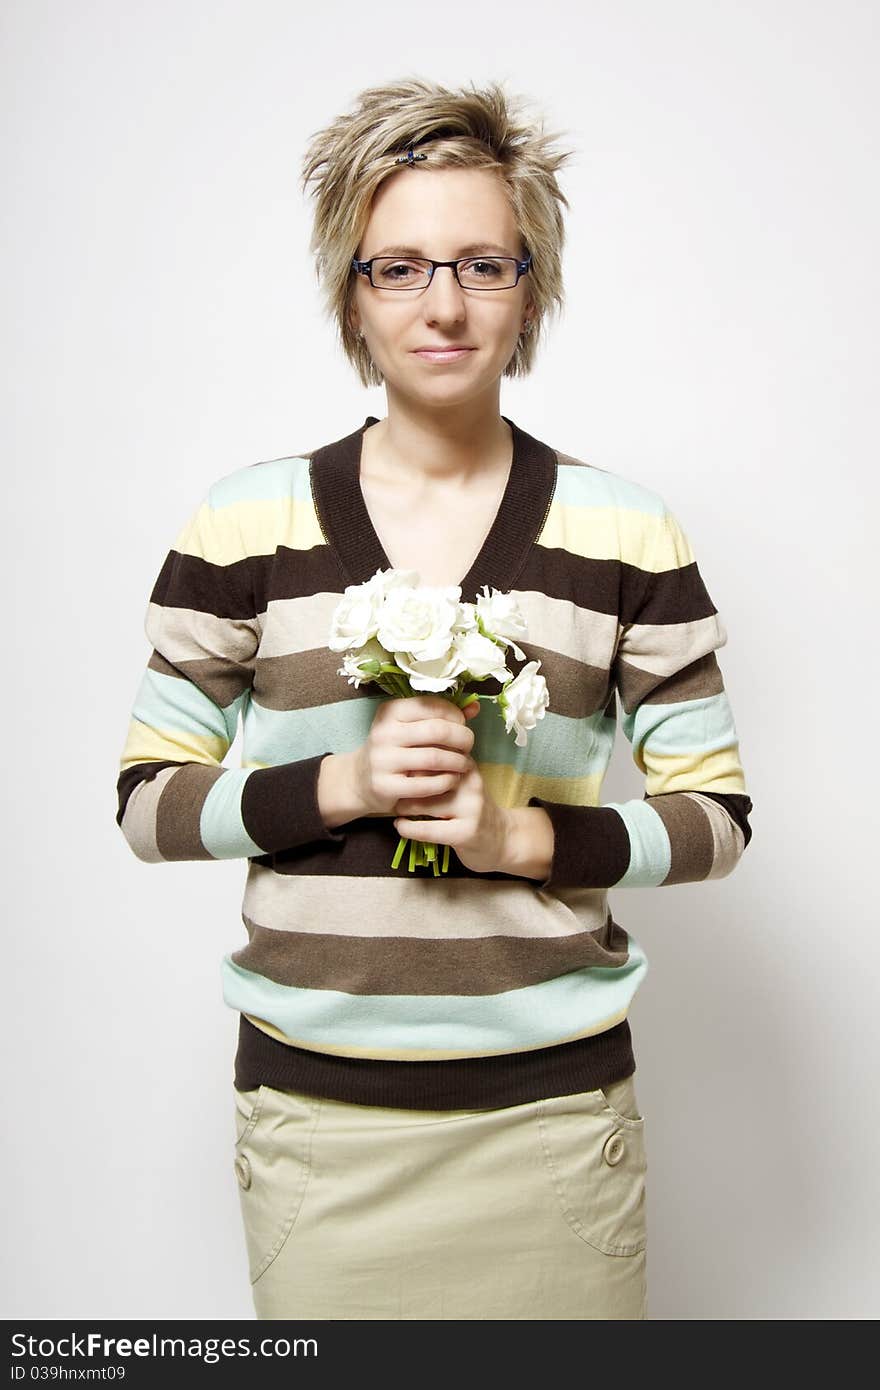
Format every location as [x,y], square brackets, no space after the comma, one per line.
[479,273]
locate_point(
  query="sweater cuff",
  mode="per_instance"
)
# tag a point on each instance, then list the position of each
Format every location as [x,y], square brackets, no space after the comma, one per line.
[591,846]
[279,806]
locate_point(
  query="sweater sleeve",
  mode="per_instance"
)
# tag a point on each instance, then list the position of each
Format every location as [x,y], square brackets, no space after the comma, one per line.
[692,822]
[176,800]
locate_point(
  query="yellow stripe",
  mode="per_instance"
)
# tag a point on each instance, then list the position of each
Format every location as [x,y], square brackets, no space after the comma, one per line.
[421,1054]
[223,535]
[146,745]
[605,533]
[719,771]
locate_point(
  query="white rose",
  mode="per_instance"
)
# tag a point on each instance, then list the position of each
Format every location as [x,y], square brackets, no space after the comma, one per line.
[356,616]
[386,580]
[481,657]
[419,621]
[524,701]
[501,615]
[467,617]
[353,663]
[435,675]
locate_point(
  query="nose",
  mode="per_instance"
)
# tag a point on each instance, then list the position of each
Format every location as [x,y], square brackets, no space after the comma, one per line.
[443,298]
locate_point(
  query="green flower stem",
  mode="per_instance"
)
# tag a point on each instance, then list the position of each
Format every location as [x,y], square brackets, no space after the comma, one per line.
[421,855]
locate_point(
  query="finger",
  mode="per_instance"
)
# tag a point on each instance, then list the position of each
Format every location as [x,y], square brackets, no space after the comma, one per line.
[413,786]
[427,707]
[434,831]
[434,757]
[426,806]
[434,733]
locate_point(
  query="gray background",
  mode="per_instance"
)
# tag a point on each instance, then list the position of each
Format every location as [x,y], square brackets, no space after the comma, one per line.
[162,328]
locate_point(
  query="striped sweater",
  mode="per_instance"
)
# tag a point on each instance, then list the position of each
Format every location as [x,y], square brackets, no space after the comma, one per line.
[364,983]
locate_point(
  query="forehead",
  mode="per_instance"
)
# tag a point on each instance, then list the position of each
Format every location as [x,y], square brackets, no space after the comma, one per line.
[441,210]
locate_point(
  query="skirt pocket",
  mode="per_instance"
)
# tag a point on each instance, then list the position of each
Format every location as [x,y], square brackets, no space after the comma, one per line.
[272,1164]
[593,1145]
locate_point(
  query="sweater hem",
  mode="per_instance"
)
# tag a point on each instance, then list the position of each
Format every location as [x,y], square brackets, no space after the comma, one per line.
[513,1078]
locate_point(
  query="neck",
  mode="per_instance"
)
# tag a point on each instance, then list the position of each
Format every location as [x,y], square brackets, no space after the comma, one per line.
[435,445]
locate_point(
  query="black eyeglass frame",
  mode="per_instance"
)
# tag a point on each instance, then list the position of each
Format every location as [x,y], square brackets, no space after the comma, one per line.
[366,268]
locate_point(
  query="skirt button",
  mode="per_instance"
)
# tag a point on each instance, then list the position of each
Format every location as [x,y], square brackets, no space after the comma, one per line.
[243,1171]
[614,1148]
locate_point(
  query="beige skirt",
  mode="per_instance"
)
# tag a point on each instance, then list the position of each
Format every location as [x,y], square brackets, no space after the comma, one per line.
[533,1211]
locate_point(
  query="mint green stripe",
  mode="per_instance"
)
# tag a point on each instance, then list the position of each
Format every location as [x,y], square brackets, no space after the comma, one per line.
[558,746]
[263,482]
[575,486]
[690,726]
[221,826]
[590,487]
[650,850]
[178,705]
[536,1016]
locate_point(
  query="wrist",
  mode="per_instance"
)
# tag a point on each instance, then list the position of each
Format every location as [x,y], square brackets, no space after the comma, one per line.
[338,800]
[529,842]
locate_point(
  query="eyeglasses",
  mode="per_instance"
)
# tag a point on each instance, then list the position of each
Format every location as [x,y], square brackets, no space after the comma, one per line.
[472,273]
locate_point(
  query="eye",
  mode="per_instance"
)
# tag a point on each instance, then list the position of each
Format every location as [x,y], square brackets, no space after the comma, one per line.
[483,269]
[397,270]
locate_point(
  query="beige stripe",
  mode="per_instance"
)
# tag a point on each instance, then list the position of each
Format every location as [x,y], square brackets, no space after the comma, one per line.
[139,821]
[729,841]
[187,634]
[399,906]
[300,624]
[663,648]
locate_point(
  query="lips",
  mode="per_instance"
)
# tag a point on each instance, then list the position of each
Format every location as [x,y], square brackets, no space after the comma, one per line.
[442,354]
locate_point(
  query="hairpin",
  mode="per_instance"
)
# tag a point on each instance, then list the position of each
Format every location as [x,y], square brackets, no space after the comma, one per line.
[409,157]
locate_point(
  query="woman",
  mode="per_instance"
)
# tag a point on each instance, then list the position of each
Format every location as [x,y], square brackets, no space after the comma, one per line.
[434,1095]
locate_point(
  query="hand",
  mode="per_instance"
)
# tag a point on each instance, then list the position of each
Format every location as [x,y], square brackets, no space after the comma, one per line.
[417,747]
[466,817]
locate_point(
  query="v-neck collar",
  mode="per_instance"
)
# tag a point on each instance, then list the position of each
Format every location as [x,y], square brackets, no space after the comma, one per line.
[334,475]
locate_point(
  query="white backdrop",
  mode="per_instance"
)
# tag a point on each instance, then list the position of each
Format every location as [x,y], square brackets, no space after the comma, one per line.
[163,328]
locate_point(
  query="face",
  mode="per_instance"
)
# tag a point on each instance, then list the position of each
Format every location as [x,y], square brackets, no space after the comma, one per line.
[441,213]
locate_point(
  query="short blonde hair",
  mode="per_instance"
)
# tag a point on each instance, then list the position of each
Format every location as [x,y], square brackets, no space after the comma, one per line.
[467,128]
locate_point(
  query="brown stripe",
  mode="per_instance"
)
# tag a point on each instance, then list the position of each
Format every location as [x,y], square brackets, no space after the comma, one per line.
[598,585]
[227,591]
[279,805]
[414,965]
[458,1083]
[221,679]
[179,811]
[591,845]
[696,681]
[244,588]
[367,851]
[692,843]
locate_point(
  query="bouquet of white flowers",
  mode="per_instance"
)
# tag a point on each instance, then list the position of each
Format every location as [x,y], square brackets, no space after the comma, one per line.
[408,640]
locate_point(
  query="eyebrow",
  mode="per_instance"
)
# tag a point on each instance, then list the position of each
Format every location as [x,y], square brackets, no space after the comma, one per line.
[474,249]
